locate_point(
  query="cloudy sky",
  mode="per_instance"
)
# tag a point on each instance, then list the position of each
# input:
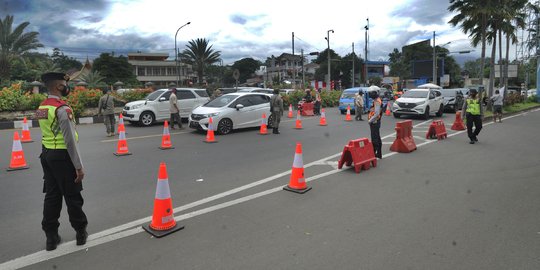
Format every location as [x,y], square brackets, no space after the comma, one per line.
[237,28]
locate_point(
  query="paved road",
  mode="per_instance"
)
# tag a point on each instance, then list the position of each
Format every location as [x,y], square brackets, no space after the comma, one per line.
[448,205]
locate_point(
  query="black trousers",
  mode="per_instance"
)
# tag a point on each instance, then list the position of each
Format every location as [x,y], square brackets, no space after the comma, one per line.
[59,182]
[175,117]
[375,129]
[477,121]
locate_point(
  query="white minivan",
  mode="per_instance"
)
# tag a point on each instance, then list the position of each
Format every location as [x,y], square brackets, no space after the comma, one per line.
[155,107]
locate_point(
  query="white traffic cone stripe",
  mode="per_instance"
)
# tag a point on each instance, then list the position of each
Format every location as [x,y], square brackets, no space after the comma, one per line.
[301,180]
[298,116]
[166,131]
[25,126]
[122,135]
[162,189]
[17,146]
[298,161]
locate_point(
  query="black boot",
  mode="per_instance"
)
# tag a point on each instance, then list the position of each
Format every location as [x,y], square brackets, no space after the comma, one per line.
[53,239]
[81,237]
[277,130]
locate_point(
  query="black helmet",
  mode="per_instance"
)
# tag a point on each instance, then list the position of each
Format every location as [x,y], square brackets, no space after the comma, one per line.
[373,94]
[473,91]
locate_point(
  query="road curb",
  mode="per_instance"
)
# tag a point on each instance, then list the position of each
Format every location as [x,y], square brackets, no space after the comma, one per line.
[17,124]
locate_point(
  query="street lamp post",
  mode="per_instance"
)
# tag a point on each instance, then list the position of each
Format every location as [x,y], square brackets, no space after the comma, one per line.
[435,58]
[176,54]
[328,85]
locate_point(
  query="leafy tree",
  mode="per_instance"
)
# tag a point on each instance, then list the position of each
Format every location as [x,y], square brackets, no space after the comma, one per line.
[31,65]
[64,62]
[473,68]
[200,55]
[115,69]
[345,67]
[322,60]
[398,67]
[246,66]
[14,43]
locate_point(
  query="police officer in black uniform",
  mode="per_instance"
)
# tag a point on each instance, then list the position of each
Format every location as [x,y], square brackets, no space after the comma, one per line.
[61,162]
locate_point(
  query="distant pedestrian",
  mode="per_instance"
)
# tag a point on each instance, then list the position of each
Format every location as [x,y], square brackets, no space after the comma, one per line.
[498,102]
[175,111]
[61,162]
[359,105]
[374,119]
[276,110]
[473,112]
[216,94]
[317,105]
[106,108]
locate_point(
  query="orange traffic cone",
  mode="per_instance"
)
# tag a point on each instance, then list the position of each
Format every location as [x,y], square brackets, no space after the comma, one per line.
[387,113]
[458,123]
[290,115]
[297,183]
[264,128]
[26,138]
[122,147]
[166,138]
[348,116]
[120,120]
[298,121]
[17,155]
[322,121]
[210,134]
[163,222]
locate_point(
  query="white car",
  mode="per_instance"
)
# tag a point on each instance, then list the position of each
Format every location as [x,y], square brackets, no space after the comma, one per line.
[423,102]
[256,90]
[232,111]
[156,105]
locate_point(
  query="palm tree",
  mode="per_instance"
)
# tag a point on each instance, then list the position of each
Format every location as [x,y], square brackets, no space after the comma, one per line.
[13,43]
[199,55]
[514,18]
[94,79]
[473,16]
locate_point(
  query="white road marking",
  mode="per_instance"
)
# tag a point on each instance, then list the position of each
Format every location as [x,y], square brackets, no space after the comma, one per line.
[199,180]
[128,229]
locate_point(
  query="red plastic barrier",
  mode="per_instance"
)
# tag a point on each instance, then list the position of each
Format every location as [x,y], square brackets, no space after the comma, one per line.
[306,108]
[404,142]
[458,123]
[359,153]
[436,130]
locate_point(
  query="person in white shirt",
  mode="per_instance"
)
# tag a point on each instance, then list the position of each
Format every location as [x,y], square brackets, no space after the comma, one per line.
[498,100]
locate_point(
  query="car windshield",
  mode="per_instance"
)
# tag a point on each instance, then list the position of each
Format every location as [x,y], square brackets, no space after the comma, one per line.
[415,94]
[348,95]
[152,96]
[448,93]
[201,93]
[220,101]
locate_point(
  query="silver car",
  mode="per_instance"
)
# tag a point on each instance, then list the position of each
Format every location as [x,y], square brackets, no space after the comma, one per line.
[232,111]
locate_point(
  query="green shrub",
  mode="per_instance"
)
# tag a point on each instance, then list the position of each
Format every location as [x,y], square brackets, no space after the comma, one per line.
[13,98]
[134,95]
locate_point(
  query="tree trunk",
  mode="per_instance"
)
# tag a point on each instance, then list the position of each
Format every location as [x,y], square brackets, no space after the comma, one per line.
[5,69]
[492,69]
[501,69]
[483,55]
[507,62]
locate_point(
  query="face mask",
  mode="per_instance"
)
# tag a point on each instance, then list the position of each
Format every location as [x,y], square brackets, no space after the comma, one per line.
[64,90]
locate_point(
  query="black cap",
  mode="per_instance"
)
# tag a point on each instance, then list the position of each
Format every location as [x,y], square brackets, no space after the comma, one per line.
[54,76]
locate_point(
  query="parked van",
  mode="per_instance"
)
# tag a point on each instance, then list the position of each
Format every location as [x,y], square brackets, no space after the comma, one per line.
[347,99]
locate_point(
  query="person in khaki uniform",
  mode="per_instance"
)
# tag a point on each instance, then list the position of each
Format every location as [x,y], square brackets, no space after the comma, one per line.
[106,108]
[359,105]
[276,109]
[175,111]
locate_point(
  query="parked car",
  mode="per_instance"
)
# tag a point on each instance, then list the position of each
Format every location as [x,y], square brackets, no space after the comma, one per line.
[531,92]
[422,102]
[155,107]
[452,99]
[286,91]
[232,111]
[257,90]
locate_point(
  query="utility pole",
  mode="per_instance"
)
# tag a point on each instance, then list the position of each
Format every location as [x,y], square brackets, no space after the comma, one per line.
[537,54]
[294,63]
[352,64]
[366,52]
[303,73]
[434,61]
[328,80]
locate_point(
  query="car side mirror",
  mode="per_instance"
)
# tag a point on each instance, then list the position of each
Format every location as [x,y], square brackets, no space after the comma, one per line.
[431,97]
[438,94]
[162,99]
[239,106]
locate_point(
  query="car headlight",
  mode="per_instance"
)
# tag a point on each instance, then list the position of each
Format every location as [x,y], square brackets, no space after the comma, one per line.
[212,114]
[136,106]
[420,103]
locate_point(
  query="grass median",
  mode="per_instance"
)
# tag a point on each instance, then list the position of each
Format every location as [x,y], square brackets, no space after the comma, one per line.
[514,108]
